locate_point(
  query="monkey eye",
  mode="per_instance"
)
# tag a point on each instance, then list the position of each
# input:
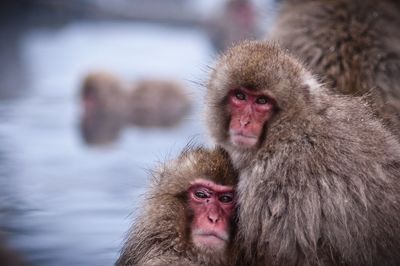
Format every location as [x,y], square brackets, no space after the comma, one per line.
[201,194]
[262,100]
[226,198]
[240,95]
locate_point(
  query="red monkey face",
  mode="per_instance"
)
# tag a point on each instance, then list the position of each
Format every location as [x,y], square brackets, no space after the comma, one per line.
[249,111]
[213,207]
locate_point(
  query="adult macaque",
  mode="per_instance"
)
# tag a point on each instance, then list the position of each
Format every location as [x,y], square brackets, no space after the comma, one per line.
[353,45]
[319,175]
[188,213]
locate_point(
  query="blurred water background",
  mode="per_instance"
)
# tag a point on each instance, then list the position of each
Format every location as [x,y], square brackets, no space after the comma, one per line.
[62,201]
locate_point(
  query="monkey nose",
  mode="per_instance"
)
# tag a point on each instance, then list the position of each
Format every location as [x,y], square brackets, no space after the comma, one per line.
[244,122]
[213,218]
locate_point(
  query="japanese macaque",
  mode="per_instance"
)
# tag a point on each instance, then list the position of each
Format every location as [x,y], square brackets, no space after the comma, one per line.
[158,103]
[102,92]
[109,107]
[237,22]
[104,108]
[319,175]
[188,213]
[354,47]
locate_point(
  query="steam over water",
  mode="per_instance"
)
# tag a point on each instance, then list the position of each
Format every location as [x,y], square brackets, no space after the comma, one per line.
[63,202]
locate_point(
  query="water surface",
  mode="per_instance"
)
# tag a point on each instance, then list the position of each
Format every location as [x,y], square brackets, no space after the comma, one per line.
[63,202]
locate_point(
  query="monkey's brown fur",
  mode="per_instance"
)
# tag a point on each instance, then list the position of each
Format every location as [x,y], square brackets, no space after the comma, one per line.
[322,187]
[353,45]
[155,102]
[160,235]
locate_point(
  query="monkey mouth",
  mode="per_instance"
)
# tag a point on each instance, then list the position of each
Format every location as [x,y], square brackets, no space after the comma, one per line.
[209,243]
[213,235]
[209,239]
[243,140]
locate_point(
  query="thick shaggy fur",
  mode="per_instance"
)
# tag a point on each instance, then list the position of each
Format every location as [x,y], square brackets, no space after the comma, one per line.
[322,187]
[353,45]
[160,235]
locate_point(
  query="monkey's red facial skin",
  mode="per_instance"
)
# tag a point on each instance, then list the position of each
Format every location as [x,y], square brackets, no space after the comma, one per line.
[213,207]
[249,111]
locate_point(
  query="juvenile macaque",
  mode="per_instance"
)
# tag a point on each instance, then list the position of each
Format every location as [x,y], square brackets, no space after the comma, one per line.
[353,46]
[188,213]
[319,175]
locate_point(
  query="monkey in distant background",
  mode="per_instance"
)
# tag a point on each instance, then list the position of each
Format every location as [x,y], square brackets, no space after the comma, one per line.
[188,213]
[319,175]
[155,102]
[353,45]
[102,92]
[109,107]
[236,22]
[104,107]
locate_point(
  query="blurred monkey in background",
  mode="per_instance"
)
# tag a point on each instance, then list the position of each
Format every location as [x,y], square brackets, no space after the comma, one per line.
[108,106]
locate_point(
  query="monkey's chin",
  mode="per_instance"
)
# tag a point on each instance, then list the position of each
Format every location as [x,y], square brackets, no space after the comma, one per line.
[209,242]
[243,141]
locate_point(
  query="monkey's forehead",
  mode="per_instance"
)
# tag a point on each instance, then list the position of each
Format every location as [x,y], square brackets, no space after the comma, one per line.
[194,163]
[257,64]
[254,55]
[216,186]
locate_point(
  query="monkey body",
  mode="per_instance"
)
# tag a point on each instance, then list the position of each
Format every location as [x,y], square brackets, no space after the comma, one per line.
[323,200]
[353,45]
[322,185]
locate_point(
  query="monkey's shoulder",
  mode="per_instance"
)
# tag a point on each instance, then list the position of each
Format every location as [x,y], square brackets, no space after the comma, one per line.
[343,137]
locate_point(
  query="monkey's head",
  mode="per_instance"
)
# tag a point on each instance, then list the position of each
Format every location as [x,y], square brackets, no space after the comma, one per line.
[252,85]
[101,92]
[202,182]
